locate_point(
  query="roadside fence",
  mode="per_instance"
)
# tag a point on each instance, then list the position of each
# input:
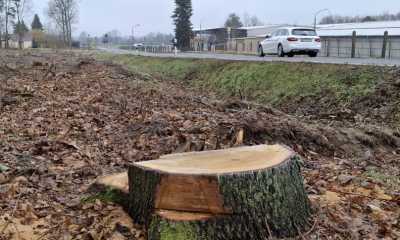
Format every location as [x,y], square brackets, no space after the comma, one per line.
[384,46]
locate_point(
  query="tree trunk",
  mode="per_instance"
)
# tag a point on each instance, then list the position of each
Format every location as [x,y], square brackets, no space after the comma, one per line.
[240,193]
[6,43]
[20,38]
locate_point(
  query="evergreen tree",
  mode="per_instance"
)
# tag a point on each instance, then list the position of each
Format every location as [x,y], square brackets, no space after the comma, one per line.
[233,21]
[183,26]
[37,32]
[36,23]
[20,28]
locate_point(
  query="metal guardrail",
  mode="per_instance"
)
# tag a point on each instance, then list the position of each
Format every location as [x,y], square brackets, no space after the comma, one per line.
[151,48]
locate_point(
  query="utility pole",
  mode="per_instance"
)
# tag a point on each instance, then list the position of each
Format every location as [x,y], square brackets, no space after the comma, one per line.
[316,15]
[201,38]
[133,32]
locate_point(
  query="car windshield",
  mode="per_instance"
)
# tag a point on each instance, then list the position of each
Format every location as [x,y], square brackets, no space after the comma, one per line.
[304,32]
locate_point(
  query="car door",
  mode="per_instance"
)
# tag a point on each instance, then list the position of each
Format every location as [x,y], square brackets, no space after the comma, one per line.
[269,43]
[276,40]
[283,38]
[265,43]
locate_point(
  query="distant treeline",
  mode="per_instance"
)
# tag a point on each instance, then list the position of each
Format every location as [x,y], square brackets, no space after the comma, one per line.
[332,19]
[156,38]
[115,37]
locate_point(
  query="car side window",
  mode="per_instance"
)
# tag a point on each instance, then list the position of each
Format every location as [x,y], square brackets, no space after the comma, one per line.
[274,34]
[282,32]
[285,32]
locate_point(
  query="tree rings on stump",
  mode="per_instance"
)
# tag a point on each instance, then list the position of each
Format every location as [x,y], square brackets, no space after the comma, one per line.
[239,193]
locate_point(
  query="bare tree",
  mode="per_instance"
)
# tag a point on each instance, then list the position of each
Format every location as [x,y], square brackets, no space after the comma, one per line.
[1,22]
[9,12]
[251,21]
[386,16]
[64,13]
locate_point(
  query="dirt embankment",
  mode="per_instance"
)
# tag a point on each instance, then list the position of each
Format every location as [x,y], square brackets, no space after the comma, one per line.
[66,119]
[380,106]
[324,92]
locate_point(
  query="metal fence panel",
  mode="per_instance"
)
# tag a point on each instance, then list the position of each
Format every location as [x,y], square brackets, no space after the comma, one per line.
[366,47]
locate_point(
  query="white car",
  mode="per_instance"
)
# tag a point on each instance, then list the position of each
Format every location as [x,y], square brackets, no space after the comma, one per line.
[291,41]
[138,45]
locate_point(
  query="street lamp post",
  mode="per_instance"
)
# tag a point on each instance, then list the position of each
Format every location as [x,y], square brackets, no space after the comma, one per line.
[133,32]
[316,15]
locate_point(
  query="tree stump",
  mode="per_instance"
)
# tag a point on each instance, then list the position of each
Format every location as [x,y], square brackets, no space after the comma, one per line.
[240,193]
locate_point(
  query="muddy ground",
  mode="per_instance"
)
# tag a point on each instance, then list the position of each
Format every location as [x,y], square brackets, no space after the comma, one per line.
[66,119]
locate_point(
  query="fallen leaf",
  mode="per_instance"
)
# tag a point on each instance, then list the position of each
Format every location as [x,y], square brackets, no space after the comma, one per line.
[330,198]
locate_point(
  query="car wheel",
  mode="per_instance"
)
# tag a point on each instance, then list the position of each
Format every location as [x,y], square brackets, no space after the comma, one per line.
[312,54]
[281,53]
[290,54]
[261,51]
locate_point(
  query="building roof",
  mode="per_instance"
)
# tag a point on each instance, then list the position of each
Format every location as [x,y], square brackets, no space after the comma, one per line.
[265,26]
[207,28]
[362,29]
[261,31]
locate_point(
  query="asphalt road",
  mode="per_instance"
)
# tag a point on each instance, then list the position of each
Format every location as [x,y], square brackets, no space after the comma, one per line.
[236,57]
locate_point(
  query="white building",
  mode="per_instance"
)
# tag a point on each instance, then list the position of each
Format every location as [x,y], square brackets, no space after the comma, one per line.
[262,31]
[26,41]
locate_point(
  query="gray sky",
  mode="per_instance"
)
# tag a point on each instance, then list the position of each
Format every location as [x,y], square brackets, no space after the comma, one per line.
[100,16]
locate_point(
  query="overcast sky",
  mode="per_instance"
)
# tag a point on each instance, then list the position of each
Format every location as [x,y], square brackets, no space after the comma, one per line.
[99,16]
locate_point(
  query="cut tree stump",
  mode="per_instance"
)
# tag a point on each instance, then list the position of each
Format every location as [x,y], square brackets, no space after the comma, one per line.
[240,193]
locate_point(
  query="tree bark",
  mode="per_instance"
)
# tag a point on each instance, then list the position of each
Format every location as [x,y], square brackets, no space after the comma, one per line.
[249,204]
[6,35]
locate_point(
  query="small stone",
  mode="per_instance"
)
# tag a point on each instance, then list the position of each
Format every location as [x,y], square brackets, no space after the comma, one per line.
[345,179]
[366,184]
[73,203]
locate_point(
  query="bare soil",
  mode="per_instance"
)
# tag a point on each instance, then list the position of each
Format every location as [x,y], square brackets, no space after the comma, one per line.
[66,119]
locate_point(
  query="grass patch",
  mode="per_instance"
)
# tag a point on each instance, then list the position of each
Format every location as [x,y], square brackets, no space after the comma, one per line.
[109,195]
[389,181]
[264,82]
